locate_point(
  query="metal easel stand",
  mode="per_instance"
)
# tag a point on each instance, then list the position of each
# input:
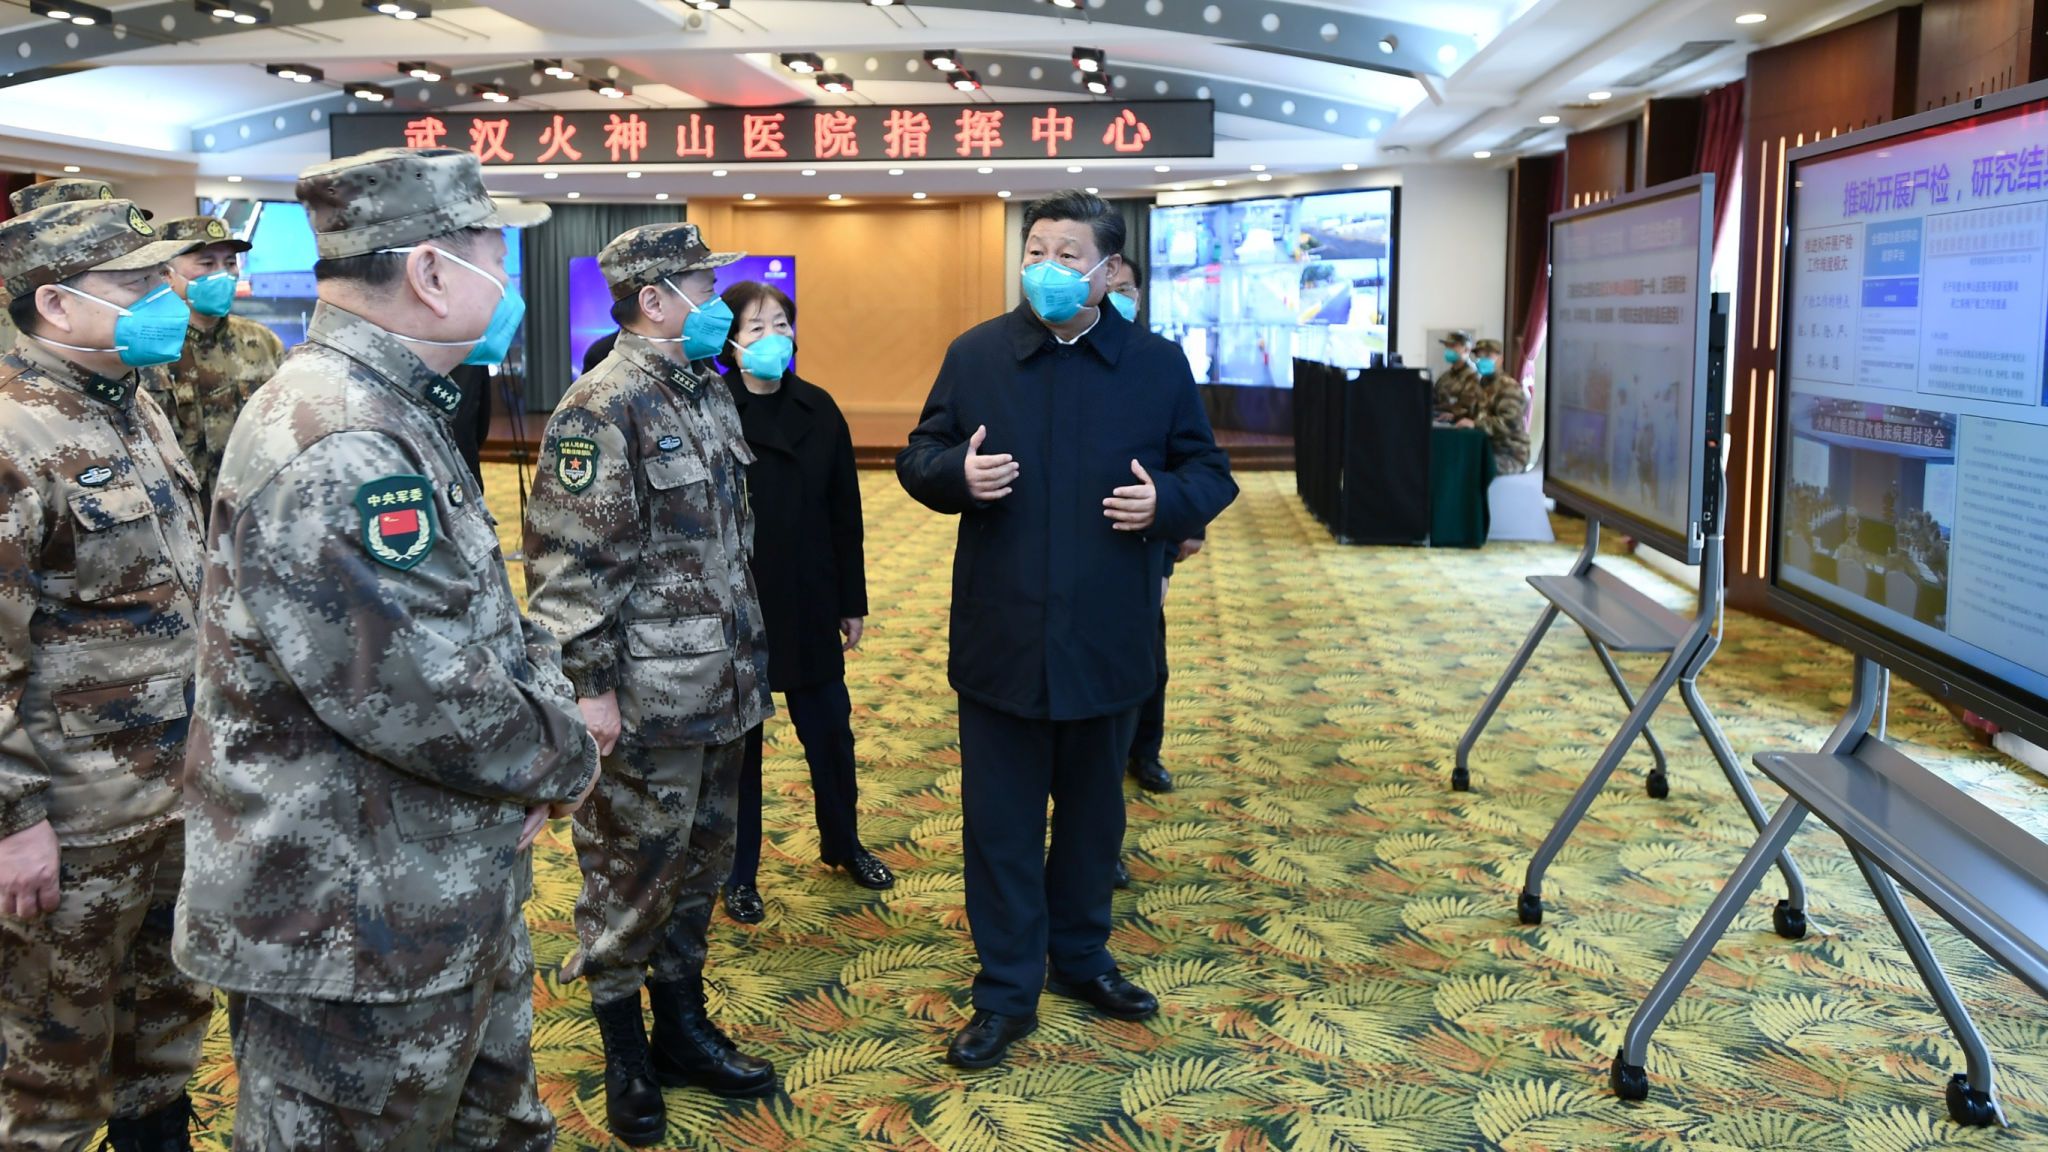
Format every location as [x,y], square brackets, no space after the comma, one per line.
[1657,783]
[1689,656]
[1971,1097]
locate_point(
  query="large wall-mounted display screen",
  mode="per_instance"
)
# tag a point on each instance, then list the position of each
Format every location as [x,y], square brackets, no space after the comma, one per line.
[1245,288]
[1628,361]
[1912,463]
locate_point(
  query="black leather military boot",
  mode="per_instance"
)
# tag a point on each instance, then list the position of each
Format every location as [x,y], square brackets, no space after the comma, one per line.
[633,1107]
[690,1050]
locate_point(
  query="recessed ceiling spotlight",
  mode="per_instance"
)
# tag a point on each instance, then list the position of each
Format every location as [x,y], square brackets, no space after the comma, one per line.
[1265,177]
[1092,191]
[985,170]
[234,179]
[1075,169]
[810,171]
[835,197]
[575,195]
[495,93]
[917,195]
[71,168]
[1751,18]
[1548,119]
[373,93]
[610,89]
[1596,97]
[1089,59]
[943,59]
[1003,195]
[803,63]
[1389,43]
[83,15]
[895,171]
[1258,167]
[1447,54]
[709,5]
[399,9]
[1219,183]
[718,172]
[551,175]
[1162,167]
[1351,167]
[661,195]
[553,68]
[1482,154]
[238,11]
[632,175]
[966,81]
[297,73]
[424,71]
[837,83]
[1097,84]
[750,196]
[1066,3]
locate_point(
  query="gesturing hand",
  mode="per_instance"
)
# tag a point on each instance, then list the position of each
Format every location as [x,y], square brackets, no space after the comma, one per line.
[28,873]
[988,477]
[1133,506]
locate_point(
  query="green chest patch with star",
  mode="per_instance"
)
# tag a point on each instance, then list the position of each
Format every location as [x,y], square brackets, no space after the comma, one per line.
[399,529]
[575,462]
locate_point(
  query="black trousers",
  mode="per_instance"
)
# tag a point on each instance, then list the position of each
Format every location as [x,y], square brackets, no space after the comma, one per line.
[1028,905]
[1151,730]
[823,719]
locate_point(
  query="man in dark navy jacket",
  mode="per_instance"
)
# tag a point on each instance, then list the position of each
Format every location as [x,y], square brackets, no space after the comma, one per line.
[1071,444]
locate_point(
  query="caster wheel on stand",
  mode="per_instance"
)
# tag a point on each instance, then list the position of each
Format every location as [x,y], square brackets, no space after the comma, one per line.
[1629,1081]
[1657,785]
[1967,1106]
[1461,780]
[1529,907]
[1789,921]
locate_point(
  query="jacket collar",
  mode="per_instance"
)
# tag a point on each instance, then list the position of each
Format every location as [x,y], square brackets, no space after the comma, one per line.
[689,379]
[759,422]
[110,391]
[1029,335]
[386,356]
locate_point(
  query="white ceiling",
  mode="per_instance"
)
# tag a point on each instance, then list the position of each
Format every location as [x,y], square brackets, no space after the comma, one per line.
[135,111]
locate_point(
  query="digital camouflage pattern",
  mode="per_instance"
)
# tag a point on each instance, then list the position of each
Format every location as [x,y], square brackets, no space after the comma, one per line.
[221,368]
[95,1020]
[208,230]
[642,568]
[1501,410]
[393,197]
[1457,393]
[655,842]
[58,241]
[99,581]
[645,255]
[449,1071]
[367,737]
[64,191]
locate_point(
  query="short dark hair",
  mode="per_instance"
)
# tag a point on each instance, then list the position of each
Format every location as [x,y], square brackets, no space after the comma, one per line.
[1137,272]
[22,311]
[626,309]
[375,271]
[1101,217]
[752,293]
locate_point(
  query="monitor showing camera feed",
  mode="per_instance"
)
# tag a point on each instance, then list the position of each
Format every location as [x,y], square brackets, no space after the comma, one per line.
[1912,463]
[1248,287]
[1628,362]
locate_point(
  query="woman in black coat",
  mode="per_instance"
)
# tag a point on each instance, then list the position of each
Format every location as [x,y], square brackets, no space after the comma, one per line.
[811,571]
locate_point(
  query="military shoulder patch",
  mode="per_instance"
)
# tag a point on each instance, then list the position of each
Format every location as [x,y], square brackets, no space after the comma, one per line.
[95,477]
[669,443]
[398,520]
[140,225]
[575,462]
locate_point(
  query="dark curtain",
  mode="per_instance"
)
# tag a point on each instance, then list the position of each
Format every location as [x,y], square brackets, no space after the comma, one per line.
[1720,150]
[575,230]
[1537,321]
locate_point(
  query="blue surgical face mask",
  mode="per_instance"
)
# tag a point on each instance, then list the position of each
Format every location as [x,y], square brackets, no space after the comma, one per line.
[768,358]
[1452,356]
[150,331]
[212,295]
[1486,365]
[705,329]
[1126,306]
[1057,292]
[496,343]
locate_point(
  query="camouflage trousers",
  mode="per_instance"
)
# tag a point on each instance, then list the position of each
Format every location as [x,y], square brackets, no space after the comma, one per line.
[655,842]
[448,1071]
[95,1020]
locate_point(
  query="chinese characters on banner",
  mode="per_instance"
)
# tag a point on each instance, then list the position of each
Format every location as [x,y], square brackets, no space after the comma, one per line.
[934,133]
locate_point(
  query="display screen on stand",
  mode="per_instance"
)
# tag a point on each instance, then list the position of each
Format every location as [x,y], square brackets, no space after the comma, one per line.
[1246,288]
[1628,373]
[1911,473]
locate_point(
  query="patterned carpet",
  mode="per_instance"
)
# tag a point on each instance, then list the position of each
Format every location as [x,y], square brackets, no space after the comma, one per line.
[1331,930]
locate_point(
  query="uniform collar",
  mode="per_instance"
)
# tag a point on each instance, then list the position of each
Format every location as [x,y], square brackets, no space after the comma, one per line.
[385,355]
[194,334]
[113,392]
[1029,335]
[688,379]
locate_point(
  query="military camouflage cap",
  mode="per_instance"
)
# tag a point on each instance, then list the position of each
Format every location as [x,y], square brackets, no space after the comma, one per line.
[64,191]
[645,254]
[393,197]
[1455,337]
[59,241]
[1486,347]
[208,230]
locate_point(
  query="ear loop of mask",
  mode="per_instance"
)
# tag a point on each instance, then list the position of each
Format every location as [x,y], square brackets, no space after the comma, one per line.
[688,303]
[466,264]
[89,296]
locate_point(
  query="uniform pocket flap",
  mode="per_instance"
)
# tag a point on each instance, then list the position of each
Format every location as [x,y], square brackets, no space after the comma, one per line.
[116,707]
[688,636]
[670,470]
[101,509]
[333,1069]
[424,812]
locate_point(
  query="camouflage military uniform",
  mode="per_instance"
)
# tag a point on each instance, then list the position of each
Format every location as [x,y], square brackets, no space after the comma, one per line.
[99,578]
[226,359]
[1457,393]
[637,539]
[373,721]
[1502,412]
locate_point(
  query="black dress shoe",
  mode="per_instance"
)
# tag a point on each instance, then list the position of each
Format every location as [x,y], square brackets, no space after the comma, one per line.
[867,870]
[1152,775]
[987,1039]
[1111,994]
[690,1050]
[1123,874]
[633,1108]
[743,904]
